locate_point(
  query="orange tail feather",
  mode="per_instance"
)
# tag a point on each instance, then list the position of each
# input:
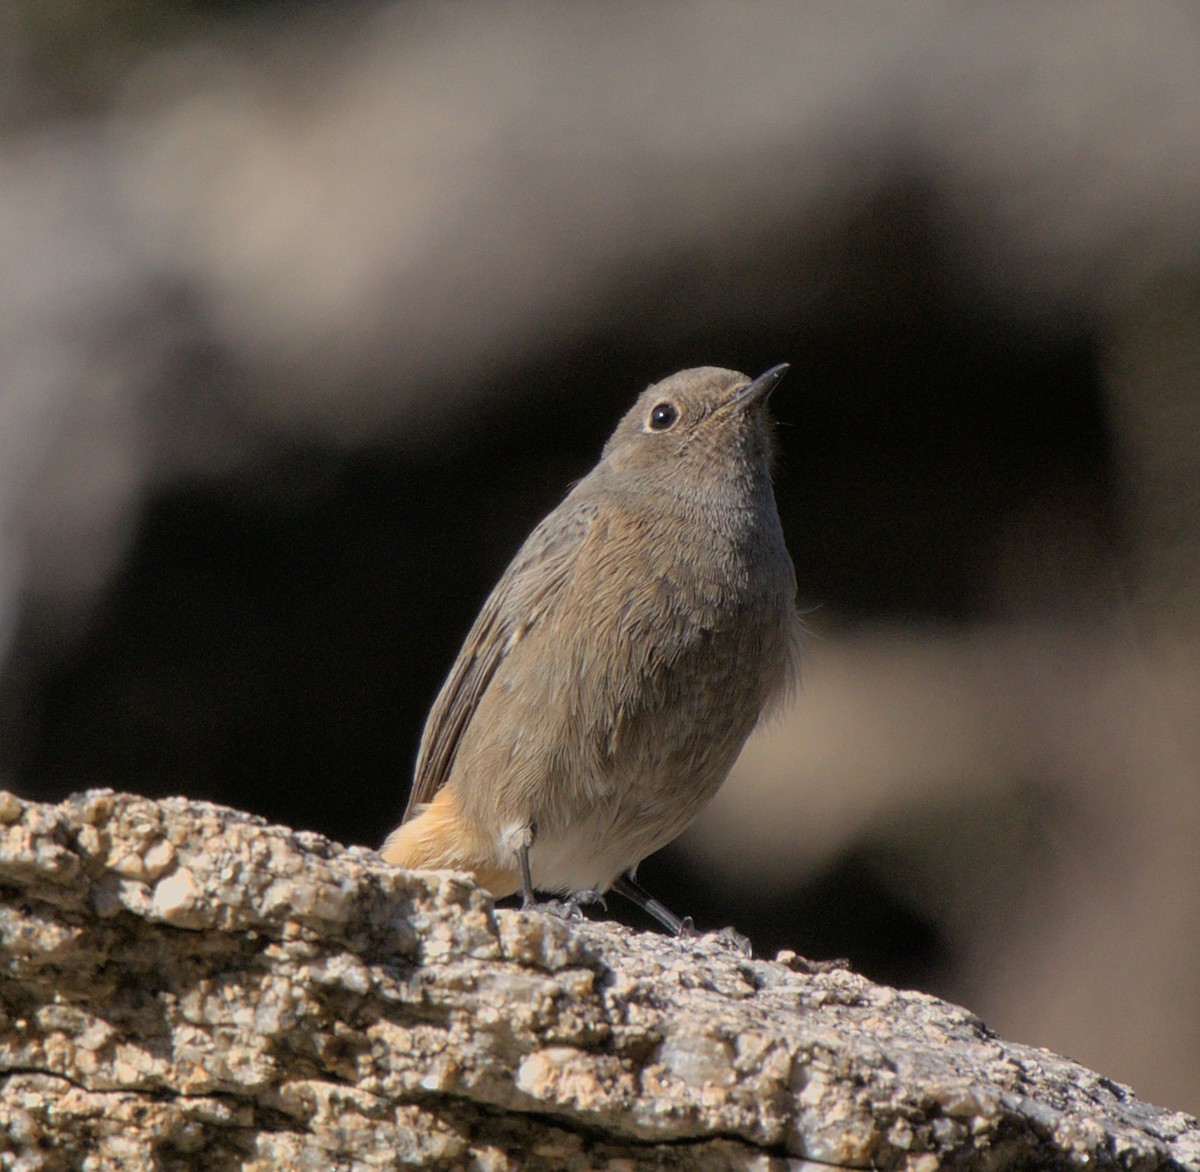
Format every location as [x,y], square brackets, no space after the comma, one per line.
[438,839]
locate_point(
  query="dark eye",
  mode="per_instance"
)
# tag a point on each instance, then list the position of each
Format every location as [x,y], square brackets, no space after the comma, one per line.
[663,416]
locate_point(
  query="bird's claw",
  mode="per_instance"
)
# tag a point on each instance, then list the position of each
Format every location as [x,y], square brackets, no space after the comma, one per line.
[732,938]
[729,938]
[577,900]
[570,906]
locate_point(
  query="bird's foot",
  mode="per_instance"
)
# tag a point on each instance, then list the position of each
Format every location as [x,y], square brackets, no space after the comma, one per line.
[572,906]
[729,938]
[569,907]
[733,939]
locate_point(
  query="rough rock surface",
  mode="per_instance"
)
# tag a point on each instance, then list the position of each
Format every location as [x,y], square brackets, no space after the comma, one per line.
[186,986]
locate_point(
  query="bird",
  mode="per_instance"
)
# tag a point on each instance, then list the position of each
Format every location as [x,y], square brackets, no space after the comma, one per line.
[618,666]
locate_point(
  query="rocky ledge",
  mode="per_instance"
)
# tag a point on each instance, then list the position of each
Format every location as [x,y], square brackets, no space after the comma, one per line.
[187,986]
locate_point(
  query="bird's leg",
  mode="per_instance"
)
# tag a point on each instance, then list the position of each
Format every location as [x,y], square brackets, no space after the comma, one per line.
[569,907]
[683,928]
[528,899]
[637,894]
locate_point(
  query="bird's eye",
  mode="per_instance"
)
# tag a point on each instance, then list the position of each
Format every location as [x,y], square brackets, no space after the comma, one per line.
[663,417]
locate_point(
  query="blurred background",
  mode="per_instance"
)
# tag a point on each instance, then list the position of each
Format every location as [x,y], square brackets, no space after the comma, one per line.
[308,312]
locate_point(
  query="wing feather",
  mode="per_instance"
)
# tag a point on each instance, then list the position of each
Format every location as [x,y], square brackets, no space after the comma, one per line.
[527,590]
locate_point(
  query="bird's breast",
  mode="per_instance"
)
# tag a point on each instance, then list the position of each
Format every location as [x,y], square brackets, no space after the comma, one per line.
[619,713]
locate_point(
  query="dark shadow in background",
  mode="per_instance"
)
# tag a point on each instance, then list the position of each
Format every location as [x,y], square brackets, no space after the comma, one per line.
[275,640]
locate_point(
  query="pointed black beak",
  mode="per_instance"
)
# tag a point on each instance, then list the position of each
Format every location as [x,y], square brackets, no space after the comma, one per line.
[760,388]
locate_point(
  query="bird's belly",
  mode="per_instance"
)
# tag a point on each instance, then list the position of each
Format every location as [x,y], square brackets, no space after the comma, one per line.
[577,858]
[585,847]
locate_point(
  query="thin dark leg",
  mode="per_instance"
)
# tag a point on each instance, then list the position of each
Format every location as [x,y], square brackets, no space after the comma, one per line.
[637,894]
[568,908]
[528,899]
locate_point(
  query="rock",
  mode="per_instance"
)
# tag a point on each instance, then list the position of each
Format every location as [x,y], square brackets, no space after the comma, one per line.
[184,986]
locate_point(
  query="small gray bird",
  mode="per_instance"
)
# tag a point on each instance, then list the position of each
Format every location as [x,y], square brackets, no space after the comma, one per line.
[619,665]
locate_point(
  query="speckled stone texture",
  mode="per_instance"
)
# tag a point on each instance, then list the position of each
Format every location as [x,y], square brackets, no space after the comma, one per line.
[185,986]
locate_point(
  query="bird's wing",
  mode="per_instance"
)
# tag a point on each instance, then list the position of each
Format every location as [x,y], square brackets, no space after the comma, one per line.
[527,590]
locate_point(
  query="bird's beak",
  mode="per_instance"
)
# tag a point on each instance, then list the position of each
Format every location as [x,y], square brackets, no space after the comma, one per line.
[757,390]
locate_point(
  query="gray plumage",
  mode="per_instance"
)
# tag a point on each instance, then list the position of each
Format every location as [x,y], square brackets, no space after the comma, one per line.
[618,666]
